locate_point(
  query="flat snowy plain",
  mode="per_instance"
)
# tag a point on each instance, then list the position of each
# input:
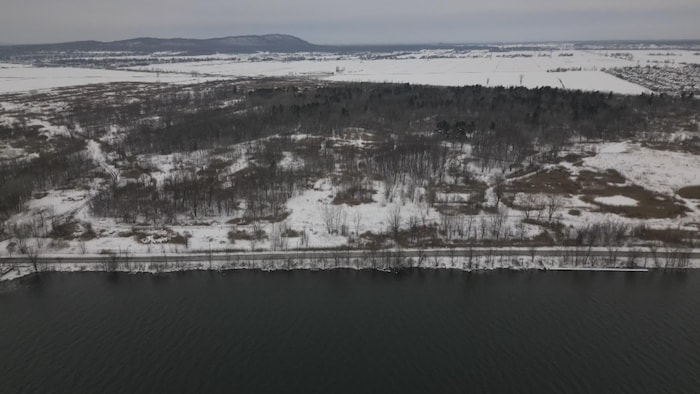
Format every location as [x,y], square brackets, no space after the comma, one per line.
[569,69]
[558,68]
[18,78]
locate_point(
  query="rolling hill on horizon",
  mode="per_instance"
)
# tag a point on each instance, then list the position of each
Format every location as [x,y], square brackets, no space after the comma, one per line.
[229,44]
[286,43]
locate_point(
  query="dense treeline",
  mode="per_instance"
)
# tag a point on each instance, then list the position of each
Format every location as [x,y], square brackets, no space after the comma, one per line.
[503,122]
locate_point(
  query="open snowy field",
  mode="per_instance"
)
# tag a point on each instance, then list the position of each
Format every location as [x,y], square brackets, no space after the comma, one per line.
[569,69]
[18,78]
[486,70]
[557,67]
[575,80]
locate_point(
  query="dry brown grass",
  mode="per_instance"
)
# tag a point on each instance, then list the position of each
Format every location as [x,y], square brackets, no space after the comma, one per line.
[691,145]
[542,239]
[246,220]
[354,195]
[459,209]
[576,158]
[690,192]
[133,171]
[346,198]
[607,183]
[554,181]
[600,180]
[470,187]
[560,181]
[668,236]
[215,167]
[306,146]
[366,136]
[555,226]
[291,233]
[375,241]
[650,205]
[474,188]
[243,235]
[235,235]
[73,230]
[520,172]
[67,230]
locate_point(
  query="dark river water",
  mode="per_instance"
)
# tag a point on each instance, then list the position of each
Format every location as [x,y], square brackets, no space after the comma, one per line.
[352,332]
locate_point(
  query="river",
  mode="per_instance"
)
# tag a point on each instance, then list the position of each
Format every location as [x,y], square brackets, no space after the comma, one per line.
[420,331]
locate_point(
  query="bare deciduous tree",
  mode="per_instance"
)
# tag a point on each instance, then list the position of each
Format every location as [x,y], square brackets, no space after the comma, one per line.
[553,203]
[357,224]
[394,221]
[499,187]
[334,217]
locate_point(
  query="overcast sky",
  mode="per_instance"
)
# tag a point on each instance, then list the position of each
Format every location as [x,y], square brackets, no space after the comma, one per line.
[351,21]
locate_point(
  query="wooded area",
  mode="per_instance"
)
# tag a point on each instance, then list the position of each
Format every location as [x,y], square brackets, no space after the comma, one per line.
[406,136]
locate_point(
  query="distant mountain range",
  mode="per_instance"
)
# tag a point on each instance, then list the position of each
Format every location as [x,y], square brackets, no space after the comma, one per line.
[236,44]
[285,43]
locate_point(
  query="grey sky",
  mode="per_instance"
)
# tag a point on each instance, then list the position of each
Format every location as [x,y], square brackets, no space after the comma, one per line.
[352,21]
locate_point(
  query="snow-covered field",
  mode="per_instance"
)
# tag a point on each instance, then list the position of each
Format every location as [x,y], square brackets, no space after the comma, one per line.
[574,80]
[569,69]
[18,78]
[550,66]
[486,70]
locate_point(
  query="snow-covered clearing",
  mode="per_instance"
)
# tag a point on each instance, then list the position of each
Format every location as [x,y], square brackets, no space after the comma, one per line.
[307,212]
[658,170]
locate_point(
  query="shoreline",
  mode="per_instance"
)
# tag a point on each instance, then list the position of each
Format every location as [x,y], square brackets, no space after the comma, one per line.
[464,259]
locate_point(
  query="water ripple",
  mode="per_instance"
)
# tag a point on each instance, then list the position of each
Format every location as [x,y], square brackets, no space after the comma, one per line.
[347,331]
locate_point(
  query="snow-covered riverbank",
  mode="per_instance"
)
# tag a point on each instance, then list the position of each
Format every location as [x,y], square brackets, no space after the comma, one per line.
[476,259]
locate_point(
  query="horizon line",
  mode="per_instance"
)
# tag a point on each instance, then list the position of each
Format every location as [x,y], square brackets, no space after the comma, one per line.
[364,44]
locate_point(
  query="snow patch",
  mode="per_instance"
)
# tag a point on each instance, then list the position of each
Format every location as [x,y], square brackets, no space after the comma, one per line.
[617,201]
